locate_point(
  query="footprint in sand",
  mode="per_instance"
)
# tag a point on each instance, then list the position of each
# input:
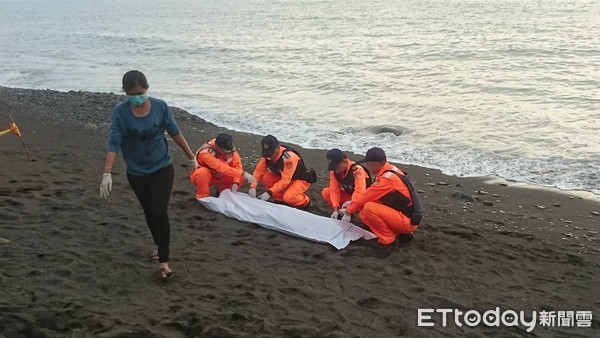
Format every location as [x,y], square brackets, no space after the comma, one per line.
[417,289]
[370,303]
[181,193]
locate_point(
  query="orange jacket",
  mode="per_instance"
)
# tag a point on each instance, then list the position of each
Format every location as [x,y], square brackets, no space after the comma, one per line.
[219,163]
[360,184]
[290,162]
[384,184]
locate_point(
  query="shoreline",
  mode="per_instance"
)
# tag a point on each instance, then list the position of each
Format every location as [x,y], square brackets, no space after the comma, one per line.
[493,178]
[581,194]
[77,265]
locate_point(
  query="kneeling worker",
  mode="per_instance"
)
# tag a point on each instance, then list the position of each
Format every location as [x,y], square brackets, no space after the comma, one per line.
[283,173]
[390,206]
[218,164]
[347,181]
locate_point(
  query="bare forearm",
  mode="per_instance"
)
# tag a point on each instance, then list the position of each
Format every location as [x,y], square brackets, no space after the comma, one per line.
[182,143]
[109,162]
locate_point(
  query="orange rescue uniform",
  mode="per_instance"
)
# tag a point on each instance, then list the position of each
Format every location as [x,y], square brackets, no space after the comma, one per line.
[281,184]
[216,168]
[384,221]
[335,195]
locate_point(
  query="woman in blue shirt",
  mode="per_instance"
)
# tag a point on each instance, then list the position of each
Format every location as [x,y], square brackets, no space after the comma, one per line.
[138,131]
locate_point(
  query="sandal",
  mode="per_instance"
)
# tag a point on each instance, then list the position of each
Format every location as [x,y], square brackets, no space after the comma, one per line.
[154,257]
[165,274]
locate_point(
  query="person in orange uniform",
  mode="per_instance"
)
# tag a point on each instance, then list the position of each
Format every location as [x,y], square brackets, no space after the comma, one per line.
[390,206]
[282,172]
[347,181]
[218,164]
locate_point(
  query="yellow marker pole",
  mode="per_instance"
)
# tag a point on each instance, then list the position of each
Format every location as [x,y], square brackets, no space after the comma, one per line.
[4,132]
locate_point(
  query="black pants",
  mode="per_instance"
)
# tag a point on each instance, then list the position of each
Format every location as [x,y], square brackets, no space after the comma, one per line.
[153,191]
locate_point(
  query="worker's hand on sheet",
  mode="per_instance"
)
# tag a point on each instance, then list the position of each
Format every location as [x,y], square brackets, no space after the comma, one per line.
[265,196]
[106,185]
[346,204]
[335,214]
[249,177]
[193,164]
[346,215]
[252,192]
[234,187]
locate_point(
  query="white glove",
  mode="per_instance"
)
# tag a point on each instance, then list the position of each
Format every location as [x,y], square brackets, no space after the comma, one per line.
[265,196]
[252,192]
[249,177]
[335,215]
[346,204]
[234,187]
[346,218]
[193,164]
[106,185]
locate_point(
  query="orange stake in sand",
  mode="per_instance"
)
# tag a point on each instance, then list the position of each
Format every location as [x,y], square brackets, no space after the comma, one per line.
[15,129]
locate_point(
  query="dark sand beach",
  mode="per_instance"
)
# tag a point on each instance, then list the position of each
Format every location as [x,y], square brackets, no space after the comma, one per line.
[75,265]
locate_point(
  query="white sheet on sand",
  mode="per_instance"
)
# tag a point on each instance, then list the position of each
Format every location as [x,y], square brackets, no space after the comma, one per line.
[286,219]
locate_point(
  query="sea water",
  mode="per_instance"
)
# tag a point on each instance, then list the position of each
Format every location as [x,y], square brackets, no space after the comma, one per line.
[471,87]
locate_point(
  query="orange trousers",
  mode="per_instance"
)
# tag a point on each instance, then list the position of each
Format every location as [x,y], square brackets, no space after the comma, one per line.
[203,179]
[385,222]
[344,196]
[294,195]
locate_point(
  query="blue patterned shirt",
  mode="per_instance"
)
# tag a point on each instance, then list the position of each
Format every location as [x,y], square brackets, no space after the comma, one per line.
[142,139]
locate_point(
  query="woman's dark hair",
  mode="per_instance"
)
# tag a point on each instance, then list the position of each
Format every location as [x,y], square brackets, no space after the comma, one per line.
[134,78]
